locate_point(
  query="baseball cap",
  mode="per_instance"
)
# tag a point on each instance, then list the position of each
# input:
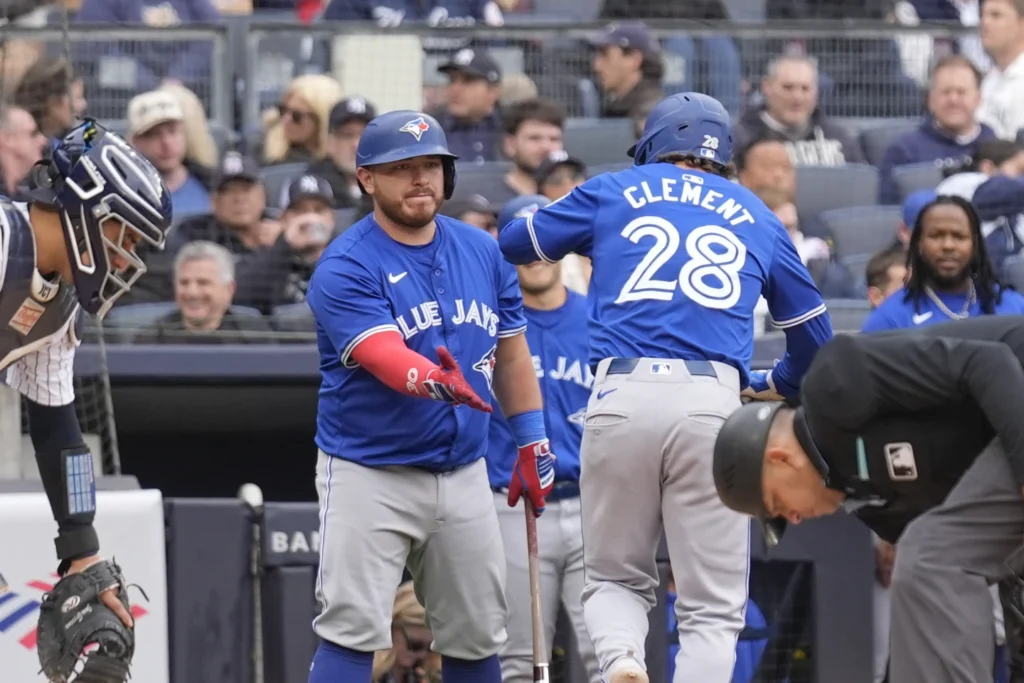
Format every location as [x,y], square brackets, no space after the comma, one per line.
[150,109]
[309,186]
[632,35]
[460,205]
[235,166]
[350,109]
[914,204]
[553,161]
[473,63]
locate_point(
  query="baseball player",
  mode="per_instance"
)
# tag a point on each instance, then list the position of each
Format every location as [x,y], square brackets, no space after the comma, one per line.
[681,256]
[557,335]
[900,426]
[400,299]
[72,248]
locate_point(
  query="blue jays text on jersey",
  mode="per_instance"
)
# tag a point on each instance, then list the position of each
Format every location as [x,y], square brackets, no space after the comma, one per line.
[455,292]
[895,313]
[659,235]
[558,342]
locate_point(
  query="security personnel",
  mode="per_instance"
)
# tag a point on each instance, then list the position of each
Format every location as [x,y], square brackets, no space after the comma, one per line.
[921,430]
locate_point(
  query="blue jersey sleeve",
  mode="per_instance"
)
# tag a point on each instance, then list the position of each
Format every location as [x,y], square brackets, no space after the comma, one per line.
[511,319]
[348,305]
[562,227]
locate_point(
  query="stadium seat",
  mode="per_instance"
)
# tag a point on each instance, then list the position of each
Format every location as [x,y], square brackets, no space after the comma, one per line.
[1013,272]
[293,318]
[861,230]
[875,140]
[277,177]
[138,315]
[821,188]
[246,312]
[848,315]
[598,141]
[608,168]
[480,178]
[912,177]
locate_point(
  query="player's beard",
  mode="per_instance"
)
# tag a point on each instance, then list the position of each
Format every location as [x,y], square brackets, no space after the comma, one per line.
[522,165]
[415,218]
[943,282]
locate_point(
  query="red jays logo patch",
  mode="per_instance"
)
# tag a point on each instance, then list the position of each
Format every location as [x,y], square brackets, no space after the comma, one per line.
[415,128]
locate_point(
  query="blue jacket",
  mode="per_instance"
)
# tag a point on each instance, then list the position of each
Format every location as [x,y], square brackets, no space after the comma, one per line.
[415,10]
[927,143]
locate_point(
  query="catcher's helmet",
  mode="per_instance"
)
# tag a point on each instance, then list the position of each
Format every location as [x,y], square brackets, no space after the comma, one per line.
[739,463]
[686,123]
[521,207]
[93,178]
[406,134]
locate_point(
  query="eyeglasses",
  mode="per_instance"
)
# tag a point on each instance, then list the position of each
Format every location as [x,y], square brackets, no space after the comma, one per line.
[295,115]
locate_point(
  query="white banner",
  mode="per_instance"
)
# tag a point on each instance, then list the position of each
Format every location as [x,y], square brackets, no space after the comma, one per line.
[131,529]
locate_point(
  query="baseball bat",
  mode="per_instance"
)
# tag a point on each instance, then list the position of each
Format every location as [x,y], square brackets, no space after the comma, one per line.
[540,642]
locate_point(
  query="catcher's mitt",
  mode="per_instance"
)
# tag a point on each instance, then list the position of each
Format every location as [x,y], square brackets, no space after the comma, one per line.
[80,639]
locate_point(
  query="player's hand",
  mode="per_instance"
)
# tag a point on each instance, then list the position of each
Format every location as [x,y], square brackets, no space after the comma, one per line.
[762,387]
[885,561]
[107,597]
[533,475]
[447,383]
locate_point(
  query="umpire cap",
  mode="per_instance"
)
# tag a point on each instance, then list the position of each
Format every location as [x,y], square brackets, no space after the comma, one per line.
[738,464]
[406,134]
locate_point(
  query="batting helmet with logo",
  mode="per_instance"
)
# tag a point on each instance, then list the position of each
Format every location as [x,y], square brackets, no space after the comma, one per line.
[520,207]
[686,123]
[406,134]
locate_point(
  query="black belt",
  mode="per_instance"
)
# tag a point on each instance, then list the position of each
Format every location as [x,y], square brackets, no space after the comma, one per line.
[696,368]
[562,490]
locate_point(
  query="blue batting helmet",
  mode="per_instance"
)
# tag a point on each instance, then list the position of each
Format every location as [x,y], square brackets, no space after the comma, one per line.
[95,180]
[406,134]
[520,207]
[686,123]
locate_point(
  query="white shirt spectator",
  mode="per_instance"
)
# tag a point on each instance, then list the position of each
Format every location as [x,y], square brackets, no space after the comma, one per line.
[1002,99]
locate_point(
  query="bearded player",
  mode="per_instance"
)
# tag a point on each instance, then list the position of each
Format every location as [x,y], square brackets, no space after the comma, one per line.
[71,249]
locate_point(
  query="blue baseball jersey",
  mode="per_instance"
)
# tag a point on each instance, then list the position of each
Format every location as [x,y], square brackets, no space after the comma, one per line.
[455,292]
[896,314]
[558,343]
[680,259]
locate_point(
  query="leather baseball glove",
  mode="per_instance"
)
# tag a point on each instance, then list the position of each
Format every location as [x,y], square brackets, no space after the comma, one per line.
[80,639]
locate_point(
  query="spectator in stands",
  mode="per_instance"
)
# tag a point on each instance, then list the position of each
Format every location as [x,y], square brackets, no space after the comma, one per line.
[409,660]
[559,174]
[1002,91]
[516,88]
[885,273]
[200,146]
[990,157]
[473,209]
[951,276]
[204,286]
[765,164]
[1000,205]
[307,226]
[434,13]
[471,116]
[297,129]
[21,146]
[629,68]
[152,61]
[949,134]
[791,116]
[346,124]
[53,95]
[156,128]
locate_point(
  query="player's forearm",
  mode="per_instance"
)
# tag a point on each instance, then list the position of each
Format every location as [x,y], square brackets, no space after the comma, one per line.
[518,244]
[66,470]
[515,380]
[386,357]
[802,343]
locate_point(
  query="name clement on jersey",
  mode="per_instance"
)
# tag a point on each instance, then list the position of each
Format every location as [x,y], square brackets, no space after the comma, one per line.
[427,315]
[688,190]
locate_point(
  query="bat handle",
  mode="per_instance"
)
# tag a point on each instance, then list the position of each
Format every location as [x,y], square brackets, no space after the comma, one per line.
[540,642]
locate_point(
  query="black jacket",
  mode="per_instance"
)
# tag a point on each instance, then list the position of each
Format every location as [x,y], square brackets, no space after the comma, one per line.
[899,416]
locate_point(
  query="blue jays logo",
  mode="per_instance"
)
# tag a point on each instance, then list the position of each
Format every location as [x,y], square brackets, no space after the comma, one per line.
[485,365]
[579,417]
[415,128]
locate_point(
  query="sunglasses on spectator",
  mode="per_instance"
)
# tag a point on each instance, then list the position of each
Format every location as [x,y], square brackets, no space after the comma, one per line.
[296,115]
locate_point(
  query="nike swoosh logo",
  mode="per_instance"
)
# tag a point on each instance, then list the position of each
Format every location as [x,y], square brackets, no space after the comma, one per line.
[395,279]
[918,319]
[602,394]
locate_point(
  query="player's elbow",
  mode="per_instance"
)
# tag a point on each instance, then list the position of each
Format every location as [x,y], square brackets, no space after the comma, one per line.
[516,243]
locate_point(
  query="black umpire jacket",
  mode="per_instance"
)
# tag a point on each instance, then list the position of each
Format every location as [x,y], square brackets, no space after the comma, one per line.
[899,416]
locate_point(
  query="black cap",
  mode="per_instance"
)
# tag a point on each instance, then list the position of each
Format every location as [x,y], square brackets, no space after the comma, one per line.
[473,63]
[632,35]
[738,464]
[235,166]
[554,160]
[459,205]
[309,186]
[351,109]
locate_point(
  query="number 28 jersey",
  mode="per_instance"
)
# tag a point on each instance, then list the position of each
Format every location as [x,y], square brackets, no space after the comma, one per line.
[680,259]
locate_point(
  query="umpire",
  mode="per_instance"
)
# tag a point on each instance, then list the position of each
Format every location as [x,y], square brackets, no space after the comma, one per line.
[920,434]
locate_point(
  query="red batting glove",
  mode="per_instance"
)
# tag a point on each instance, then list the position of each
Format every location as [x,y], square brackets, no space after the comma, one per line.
[447,383]
[533,475]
